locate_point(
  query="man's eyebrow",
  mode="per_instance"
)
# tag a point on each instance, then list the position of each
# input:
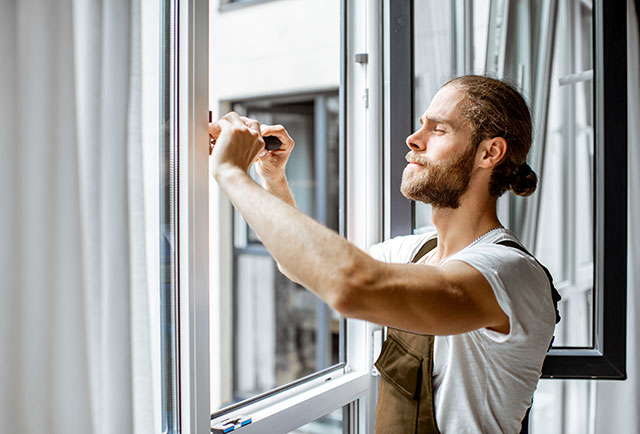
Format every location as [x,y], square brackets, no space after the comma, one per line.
[438,120]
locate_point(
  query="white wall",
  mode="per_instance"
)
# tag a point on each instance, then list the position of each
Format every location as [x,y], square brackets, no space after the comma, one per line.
[268,48]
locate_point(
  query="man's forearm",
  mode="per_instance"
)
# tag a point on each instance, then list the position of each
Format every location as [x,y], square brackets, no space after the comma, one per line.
[280,188]
[314,255]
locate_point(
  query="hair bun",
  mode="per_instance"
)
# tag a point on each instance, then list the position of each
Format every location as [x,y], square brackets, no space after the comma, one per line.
[524,181]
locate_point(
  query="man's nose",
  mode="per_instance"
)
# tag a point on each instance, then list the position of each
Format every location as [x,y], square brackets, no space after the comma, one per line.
[416,142]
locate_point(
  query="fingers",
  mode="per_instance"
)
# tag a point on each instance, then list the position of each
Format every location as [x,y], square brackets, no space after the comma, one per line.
[234,123]
[280,132]
[214,129]
[251,123]
[237,121]
[234,119]
[275,130]
[242,121]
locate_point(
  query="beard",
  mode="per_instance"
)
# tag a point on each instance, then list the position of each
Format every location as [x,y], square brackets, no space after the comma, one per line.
[439,183]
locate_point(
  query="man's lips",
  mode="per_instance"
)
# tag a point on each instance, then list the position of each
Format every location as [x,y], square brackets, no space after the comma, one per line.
[412,158]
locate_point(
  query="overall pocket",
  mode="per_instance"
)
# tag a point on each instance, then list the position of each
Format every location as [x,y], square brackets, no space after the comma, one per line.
[400,385]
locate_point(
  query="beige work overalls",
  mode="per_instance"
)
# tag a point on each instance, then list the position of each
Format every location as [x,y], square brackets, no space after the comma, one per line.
[405,397]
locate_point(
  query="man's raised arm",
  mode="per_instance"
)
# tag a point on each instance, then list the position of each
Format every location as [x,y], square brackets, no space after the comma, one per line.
[420,298]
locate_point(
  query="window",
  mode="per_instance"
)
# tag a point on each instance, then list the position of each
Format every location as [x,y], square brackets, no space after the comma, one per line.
[277,353]
[561,55]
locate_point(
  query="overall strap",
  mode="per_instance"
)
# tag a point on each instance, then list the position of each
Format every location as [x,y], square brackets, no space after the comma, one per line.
[426,248]
[555,295]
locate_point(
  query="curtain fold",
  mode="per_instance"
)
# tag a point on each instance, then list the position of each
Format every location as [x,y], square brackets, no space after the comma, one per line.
[74,315]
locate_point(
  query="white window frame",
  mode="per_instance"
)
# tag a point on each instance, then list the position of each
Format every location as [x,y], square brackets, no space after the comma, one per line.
[193,205]
[357,381]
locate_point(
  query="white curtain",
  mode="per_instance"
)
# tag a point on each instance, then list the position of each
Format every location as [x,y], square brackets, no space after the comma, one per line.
[617,403]
[75,345]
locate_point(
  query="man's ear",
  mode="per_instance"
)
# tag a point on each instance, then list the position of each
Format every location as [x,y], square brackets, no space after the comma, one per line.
[491,152]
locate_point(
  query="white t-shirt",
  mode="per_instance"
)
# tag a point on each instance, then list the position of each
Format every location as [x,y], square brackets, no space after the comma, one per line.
[484,380]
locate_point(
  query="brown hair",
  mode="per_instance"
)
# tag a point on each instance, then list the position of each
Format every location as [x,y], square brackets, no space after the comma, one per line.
[497,109]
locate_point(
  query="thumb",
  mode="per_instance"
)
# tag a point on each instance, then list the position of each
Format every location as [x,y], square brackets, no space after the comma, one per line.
[214,129]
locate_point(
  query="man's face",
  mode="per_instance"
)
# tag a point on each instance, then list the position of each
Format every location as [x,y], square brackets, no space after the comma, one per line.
[442,156]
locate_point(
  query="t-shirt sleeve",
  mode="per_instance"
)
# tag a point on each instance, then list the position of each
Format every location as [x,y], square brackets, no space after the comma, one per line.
[520,286]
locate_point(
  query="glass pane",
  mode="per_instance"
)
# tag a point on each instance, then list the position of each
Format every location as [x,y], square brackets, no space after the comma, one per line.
[565,227]
[266,330]
[289,330]
[508,40]
[333,423]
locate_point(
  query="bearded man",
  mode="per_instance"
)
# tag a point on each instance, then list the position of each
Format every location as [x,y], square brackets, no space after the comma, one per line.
[470,313]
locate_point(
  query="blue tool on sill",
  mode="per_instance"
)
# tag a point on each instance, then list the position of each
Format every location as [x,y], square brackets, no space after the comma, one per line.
[228,425]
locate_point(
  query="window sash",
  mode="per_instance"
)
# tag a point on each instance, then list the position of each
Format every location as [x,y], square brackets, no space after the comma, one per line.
[606,360]
[351,383]
[245,246]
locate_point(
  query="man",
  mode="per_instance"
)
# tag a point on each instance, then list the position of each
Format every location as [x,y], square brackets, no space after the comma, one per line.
[486,300]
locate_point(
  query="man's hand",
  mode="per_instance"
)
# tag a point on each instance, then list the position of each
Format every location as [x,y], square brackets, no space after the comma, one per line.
[237,143]
[271,164]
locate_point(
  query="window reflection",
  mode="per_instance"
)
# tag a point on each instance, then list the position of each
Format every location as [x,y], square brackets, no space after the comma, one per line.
[434,64]
[565,229]
[332,423]
[282,331]
[509,40]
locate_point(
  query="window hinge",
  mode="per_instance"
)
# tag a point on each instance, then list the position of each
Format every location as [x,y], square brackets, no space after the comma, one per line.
[365,98]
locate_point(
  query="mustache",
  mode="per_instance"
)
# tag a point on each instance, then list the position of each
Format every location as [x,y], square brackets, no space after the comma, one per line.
[412,157]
